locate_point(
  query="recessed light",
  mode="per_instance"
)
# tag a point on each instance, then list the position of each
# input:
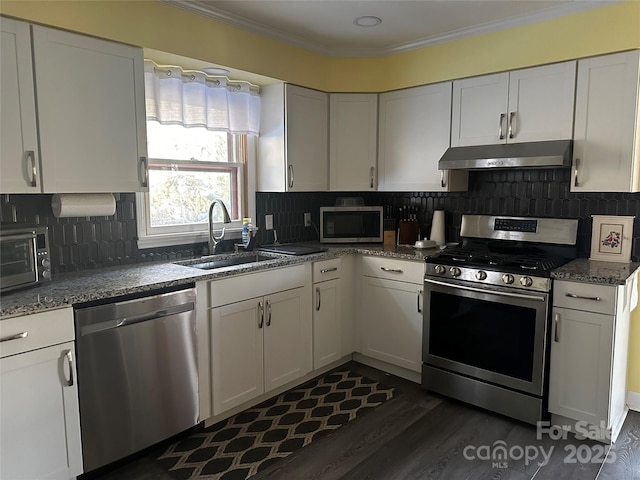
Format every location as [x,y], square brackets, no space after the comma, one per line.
[215,71]
[367,21]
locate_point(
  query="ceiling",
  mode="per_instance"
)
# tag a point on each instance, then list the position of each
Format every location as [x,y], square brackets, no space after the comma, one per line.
[327,26]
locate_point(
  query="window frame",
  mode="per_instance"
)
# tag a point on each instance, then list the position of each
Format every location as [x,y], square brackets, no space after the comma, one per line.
[244,150]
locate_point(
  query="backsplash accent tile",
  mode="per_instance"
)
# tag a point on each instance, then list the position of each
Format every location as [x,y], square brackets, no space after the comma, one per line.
[93,242]
[540,193]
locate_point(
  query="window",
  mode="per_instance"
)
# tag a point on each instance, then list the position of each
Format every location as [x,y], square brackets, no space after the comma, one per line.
[192,162]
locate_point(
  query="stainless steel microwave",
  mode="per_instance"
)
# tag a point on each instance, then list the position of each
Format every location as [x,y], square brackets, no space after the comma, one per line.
[351,224]
[24,256]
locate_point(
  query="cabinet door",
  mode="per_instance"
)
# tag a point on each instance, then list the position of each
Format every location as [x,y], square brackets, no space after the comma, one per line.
[39,418]
[236,353]
[392,322]
[90,96]
[20,165]
[353,125]
[541,103]
[307,138]
[580,369]
[606,122]
[480,110]
[327,323]
[287,338]
[414,131]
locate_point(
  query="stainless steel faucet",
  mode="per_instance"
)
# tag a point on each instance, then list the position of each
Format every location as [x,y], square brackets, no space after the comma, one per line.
[213,241]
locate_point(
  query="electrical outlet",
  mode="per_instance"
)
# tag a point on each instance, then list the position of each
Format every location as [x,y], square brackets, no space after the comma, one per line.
[268,222]
[307,219]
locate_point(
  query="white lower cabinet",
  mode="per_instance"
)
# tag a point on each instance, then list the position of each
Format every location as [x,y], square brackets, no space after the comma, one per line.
[589,349]
[391,322]
[261,343]
[39,417]
[327,313]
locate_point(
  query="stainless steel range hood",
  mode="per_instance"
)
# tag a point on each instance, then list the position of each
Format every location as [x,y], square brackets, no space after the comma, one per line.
[552,154]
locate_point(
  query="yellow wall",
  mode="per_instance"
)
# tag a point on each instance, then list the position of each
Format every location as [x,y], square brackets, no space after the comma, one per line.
[160,27]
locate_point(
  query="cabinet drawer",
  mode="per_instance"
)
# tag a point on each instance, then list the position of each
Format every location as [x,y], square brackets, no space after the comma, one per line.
[42,330]
[326,270]
[585,296]
[393,269]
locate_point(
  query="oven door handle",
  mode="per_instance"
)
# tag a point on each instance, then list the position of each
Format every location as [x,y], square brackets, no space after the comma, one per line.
[480,290]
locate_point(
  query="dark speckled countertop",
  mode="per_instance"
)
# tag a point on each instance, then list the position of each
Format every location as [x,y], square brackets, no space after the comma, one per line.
[591,271]
[90,285]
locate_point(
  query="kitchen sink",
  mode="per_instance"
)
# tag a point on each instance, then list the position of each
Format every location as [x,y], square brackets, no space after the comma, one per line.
[230,262]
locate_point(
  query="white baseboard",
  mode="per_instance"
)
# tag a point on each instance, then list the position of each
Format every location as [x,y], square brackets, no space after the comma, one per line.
[633,400]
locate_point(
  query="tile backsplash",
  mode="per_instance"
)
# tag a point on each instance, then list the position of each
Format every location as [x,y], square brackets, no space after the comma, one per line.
[93,242]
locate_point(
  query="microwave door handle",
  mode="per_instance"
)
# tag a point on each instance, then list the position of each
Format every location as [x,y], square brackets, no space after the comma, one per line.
[19,236]
[480,290]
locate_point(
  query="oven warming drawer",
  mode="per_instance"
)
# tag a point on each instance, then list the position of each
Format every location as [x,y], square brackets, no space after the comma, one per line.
[516,405]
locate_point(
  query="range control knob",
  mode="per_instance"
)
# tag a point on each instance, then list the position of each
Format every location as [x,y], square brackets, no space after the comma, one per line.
[46,274]
[454,271]
[481,275]
[507,278]
[526,281]
[439,269]
[46,263]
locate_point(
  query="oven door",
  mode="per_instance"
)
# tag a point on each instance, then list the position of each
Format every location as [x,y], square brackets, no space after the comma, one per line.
[494,334]
[18,261]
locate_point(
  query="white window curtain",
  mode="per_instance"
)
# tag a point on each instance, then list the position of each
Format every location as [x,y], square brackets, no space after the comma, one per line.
[195,99]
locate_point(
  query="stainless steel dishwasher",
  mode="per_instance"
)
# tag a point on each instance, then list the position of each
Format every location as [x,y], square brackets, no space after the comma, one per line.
[137,373]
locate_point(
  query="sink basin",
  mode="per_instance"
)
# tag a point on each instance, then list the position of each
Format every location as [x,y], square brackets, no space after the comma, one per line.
[229,262]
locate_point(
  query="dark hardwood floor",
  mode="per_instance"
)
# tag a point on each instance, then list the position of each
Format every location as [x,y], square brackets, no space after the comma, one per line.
[418,435]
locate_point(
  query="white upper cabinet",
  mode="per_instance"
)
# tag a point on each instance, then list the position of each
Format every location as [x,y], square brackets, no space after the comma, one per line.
[606,136]
[90,99]
[19,156]
[353,124]
[529,105]
[414,129]
[293,150]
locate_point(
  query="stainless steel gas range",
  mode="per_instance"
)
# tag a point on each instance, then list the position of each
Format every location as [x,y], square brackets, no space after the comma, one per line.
[487,312]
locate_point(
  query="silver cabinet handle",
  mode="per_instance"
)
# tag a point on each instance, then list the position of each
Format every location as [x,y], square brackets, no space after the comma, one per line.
[391,270]
[261,314]
[442,184]
[268,313]
[327,270]
[500,132]
[371,170]
[318,299]
[290,167]
[419,295]
[573,295]
[69,358]
[556,326]
[17,336]
[511,118]
[576,163]
[144,172]
[34,170]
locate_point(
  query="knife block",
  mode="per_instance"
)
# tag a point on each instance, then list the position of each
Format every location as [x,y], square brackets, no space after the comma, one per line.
[408,232]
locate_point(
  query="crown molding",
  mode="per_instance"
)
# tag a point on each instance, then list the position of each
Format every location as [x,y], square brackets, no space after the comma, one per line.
[261,29]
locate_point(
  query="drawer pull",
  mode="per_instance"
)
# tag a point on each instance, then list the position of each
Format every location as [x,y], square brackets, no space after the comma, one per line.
[17,336]
[573,295]
[327,270]
[391,270]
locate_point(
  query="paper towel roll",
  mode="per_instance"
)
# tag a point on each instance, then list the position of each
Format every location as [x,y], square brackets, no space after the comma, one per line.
[437,227]
[83,204]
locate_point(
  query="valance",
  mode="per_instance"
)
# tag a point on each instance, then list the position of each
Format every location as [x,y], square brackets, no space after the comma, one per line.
[194,99]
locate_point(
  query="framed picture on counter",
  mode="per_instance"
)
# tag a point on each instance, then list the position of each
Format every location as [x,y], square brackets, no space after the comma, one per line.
[611,238]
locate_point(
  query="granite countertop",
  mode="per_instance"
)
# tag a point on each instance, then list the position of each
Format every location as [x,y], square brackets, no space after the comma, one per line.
[90,285]
[591,271]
